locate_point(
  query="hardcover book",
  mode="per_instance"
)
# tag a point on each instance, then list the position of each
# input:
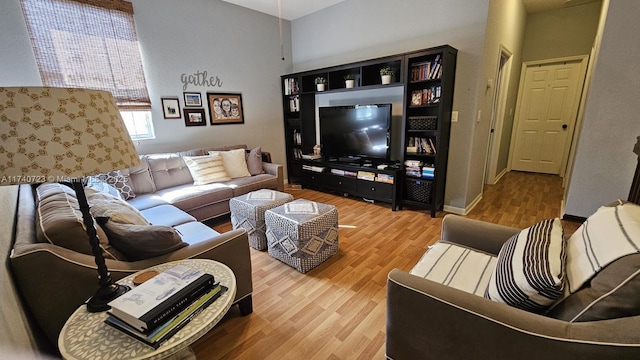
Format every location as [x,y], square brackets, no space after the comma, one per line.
[150,304]
[174,324]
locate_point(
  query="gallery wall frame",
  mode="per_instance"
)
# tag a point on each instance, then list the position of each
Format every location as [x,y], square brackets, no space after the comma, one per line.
[193,99]
[225,108]
[171,107]
[194,117]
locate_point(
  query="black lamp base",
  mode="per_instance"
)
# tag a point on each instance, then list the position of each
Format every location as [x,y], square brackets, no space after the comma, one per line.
[104,295]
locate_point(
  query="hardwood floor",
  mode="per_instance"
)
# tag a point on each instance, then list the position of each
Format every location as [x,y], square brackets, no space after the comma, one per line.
[338,310]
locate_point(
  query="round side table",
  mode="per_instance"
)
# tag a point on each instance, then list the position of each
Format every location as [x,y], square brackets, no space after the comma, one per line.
[86,336]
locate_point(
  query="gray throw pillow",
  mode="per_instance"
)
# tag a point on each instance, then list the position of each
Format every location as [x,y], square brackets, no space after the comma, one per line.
[139,242]
[611,293]
[254,161]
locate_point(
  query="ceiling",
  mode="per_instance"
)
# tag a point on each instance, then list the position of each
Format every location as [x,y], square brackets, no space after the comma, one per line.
[293,9]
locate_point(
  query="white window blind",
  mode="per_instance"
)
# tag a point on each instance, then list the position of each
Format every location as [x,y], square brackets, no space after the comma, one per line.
[89,44]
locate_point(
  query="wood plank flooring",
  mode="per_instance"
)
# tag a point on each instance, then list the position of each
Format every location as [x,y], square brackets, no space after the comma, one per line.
[338,310]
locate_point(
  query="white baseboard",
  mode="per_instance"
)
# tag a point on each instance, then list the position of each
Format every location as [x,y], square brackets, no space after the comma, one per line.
[463,211]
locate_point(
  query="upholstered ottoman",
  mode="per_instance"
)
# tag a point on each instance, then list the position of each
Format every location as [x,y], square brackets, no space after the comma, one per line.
[302,233]
[247,212]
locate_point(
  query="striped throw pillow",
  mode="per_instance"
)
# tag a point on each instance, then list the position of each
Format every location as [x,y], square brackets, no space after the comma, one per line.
[530,271]
[609,234]
[206,169]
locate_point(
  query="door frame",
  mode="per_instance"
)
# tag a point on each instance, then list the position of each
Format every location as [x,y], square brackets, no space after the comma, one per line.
[583,59]
[501,91]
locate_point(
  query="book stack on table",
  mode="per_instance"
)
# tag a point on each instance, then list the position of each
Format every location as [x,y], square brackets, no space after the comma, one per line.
[155,310]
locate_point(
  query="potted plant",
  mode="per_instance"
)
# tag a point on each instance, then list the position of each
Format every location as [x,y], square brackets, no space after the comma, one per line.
[349,80]
[386,73]
[320,81]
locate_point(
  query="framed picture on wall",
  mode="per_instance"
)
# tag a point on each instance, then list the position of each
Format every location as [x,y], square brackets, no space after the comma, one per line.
[192,99]
[194,117]
[225,108]
[171,108]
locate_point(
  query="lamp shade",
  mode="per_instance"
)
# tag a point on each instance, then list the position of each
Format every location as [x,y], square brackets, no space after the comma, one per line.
[60,134]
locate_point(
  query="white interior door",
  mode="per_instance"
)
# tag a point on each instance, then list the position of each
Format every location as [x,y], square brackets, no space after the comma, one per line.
[546,114]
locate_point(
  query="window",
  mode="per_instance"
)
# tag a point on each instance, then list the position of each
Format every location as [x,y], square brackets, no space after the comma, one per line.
[92,44]
[138,124]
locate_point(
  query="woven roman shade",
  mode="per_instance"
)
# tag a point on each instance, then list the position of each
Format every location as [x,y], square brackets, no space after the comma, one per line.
[88,44]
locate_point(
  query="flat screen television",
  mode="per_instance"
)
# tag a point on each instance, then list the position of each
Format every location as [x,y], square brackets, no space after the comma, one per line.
[355,132]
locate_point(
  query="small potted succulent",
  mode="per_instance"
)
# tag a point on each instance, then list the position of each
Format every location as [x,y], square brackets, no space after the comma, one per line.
[349,81]
[386,73]
[320,81]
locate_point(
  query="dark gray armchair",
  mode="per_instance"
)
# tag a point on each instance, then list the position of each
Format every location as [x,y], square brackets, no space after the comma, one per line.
[427,320]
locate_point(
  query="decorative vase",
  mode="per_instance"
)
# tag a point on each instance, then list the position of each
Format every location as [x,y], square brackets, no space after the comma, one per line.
[349,83]
[386,79]
[320,87]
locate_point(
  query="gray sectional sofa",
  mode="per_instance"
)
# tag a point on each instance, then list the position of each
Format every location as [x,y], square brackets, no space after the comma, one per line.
[52,264]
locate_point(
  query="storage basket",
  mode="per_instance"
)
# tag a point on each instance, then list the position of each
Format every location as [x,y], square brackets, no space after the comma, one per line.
[418,190]
[422,122]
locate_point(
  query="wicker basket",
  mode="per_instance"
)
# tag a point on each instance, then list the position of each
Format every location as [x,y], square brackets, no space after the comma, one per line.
[418,190]
[422,122]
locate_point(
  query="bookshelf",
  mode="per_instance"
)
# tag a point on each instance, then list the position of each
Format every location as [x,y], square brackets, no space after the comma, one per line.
[427,125]
[427,78]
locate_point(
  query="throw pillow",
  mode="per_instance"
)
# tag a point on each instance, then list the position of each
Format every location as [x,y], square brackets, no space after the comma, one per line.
[120,182]
[114,208]
[206,169]
[610,233]
[59,222]
[99,185]
[139,242]
[612,293]
[234,163]
[529,272]
[254,161]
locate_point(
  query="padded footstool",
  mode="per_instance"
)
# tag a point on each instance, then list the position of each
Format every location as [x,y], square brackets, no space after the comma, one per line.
[247,212]
[302,233]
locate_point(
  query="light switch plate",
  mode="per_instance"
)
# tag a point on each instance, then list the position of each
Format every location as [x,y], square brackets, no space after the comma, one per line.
[454,116]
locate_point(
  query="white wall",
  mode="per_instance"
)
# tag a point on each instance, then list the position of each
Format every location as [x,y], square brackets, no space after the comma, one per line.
[362,29]
[605,162]
[240,46]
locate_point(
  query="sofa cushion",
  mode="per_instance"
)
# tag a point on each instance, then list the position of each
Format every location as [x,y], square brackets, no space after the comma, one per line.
[119,181]
[234,161]
[59,221]
[168,170]
[206,169]
[146,201]
[611,293]
[167,215]
[610,233]
[139,242]
[254,161]
[246,185]
[456,266]
[139,177]
[189,197]
[195,232]
[106,205]
[530,271]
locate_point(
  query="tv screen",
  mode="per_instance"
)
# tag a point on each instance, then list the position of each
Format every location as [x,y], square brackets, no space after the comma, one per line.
[355,132]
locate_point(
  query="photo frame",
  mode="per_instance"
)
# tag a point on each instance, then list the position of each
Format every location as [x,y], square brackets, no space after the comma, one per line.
[171,108]
[194,117]
[225,108]
[193,99]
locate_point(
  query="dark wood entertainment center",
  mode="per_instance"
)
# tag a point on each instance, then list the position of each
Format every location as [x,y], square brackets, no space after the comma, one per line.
[418,178]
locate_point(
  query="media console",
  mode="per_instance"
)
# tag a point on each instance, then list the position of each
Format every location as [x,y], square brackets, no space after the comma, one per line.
[358,179]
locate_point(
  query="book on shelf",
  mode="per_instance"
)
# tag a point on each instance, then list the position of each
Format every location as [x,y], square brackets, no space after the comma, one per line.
[290,86]
[366,175]
[151,303]
[172,325]
[294,103]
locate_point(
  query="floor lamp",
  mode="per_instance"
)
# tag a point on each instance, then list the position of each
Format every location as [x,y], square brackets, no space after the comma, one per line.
[64,135]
